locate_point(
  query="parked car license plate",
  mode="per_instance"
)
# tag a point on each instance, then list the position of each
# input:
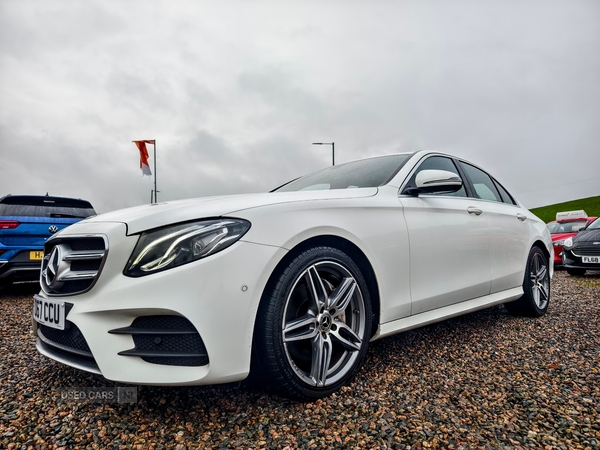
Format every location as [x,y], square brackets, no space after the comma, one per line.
[590,259]
[49,312]
[37,256]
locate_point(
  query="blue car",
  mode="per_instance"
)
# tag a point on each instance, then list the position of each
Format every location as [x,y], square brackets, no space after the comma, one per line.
[26,222]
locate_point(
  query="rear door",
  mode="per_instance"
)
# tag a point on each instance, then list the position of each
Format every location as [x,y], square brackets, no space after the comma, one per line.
[508,227]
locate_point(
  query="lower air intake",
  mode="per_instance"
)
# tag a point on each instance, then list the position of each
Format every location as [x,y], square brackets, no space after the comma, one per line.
[166,340]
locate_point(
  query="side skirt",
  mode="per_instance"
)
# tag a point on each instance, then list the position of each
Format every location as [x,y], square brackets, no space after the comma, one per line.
[437,315]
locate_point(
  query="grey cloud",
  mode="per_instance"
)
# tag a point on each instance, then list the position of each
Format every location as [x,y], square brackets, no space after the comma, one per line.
[235,94]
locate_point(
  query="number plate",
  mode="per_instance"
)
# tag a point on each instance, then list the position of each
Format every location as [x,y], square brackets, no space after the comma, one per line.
[590,259]
[37,256]
[49,312]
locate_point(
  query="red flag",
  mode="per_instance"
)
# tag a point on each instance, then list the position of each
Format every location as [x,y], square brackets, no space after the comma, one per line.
[144,164]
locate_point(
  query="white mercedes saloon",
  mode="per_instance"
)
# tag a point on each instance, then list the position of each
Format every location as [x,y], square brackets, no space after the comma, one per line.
[292,284]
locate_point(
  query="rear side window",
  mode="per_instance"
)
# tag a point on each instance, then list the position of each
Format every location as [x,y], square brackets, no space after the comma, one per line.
[45,206]
[485,188]
[506,197]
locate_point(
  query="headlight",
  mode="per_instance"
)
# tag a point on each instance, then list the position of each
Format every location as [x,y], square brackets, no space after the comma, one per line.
[561,242]
[175,245]
[568,242]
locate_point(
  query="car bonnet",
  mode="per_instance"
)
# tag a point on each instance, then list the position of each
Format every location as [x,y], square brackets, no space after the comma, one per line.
[588,236]
[146,217]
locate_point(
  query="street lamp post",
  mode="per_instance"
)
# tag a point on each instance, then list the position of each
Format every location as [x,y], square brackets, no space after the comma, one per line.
[332,150]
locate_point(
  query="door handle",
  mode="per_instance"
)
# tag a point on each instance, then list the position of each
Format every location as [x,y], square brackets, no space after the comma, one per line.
[521,217]
[473,210]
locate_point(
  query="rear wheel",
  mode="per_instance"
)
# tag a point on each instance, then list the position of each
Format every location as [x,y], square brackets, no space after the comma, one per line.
[314,325]
[536,287]
[576,272]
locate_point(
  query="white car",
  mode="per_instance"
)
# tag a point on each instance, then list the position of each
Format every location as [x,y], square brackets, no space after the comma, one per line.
[294,283]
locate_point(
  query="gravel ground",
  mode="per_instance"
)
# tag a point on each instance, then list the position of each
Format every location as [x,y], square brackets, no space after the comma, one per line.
[486,380]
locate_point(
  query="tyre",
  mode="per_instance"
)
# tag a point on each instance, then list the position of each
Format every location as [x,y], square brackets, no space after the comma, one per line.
[536,287]
[576,272]
[314,325]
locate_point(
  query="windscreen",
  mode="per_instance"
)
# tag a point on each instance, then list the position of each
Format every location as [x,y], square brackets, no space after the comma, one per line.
[566,227]
[595,225]
[372,172]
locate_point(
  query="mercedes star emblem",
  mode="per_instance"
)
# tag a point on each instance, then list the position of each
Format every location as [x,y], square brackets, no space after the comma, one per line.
[52,268]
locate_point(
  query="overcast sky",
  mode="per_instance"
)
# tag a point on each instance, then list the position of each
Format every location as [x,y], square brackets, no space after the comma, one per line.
[235,93]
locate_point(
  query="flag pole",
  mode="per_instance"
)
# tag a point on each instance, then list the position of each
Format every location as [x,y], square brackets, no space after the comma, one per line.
[145,163]
[155,191]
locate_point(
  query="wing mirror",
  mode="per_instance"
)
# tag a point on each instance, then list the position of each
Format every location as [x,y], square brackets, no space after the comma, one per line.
[435,182]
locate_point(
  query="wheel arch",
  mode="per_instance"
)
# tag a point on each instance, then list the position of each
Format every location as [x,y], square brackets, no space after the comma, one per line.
[540,244]
[355,253]
[542,247]
[361,261]
[347,247]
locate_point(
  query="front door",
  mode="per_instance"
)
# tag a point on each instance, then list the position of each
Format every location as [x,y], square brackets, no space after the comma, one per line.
[450,246]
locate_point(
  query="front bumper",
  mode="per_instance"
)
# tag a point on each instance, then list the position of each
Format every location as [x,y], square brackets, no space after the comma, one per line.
[20,268]
[218,295]
[571,261]
[558,255]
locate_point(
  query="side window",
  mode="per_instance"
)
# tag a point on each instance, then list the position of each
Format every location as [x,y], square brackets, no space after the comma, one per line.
[438,163]
[506,197]
[482,183]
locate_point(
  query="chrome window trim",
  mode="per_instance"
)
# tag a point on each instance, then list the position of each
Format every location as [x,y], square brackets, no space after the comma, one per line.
[467,197]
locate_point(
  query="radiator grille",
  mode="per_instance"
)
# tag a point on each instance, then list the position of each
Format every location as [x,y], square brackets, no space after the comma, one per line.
[586,250]
[72,264]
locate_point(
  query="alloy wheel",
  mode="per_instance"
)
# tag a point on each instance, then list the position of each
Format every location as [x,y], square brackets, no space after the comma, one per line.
[323,324]
[540,281]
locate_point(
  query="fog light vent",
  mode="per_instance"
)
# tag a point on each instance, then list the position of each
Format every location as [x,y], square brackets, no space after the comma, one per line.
[166,340]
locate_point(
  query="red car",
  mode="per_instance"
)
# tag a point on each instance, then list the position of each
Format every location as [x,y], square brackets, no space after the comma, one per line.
[566,225]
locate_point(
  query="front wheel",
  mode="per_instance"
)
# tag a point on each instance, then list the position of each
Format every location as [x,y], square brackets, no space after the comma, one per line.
[536,287]
[314,324]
